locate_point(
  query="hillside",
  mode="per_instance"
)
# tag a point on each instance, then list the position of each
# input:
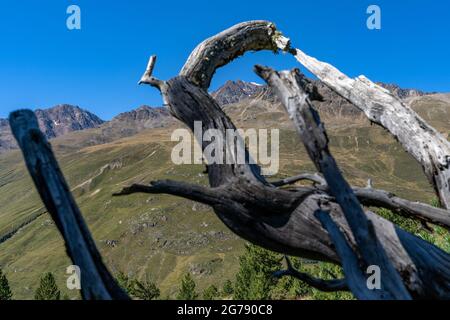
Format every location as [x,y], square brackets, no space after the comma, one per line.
[165,236]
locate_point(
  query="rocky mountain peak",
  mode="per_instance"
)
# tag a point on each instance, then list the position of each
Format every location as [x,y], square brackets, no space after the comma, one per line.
[65,118]
[144,113]
[62,119]
[131,122]
[235,91]
[54,122]
[401,92]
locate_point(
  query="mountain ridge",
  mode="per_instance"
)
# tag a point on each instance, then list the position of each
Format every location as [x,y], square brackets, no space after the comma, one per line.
[54,122]
[64,118]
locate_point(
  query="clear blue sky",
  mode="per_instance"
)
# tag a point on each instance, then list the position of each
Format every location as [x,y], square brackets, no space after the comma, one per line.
[42,63]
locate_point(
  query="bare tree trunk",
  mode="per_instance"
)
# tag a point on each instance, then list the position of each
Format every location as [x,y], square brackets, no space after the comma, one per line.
[96,281]
[284,220]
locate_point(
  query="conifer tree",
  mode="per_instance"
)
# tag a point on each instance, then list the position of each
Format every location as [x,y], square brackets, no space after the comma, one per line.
[125,282]
[5,290]
[254,280]
[228,288]
[145,290]
[210,293]
[187,290]
[48,290]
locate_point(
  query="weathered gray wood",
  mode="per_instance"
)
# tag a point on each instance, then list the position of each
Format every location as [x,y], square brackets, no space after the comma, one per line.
[189,103]
[354,275]
[287,86]
[380,198]
[96,281]
[313,177]
[421,211]
[284,220]
[224,47]
[148,78]
[177,188]
[417,137]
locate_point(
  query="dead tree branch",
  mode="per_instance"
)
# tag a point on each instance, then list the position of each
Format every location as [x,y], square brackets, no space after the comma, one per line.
[226,46]
[409,209]
[313,177]
[148,78]
[320,284]
[380,198]
[96,281]
[417,137]
[177,188]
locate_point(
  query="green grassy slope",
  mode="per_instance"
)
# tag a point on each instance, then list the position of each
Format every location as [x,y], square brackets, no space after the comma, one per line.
[164,236]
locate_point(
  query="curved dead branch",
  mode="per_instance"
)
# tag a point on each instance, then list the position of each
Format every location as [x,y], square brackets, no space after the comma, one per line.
[226,46]
[177,188]
[96,281]
[410,209]
[313,177]
[320,284]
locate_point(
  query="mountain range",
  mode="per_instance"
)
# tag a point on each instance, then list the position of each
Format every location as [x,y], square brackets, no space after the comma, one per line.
[54,122]
[62,119]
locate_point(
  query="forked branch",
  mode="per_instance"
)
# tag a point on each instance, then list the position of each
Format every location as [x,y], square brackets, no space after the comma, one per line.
[320,284]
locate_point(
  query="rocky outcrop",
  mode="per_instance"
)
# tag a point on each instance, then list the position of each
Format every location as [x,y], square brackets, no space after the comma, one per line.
[132,122]
[62,119]
[236,91]
[233,92]
[403,93]
[54,122]
[149,117]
